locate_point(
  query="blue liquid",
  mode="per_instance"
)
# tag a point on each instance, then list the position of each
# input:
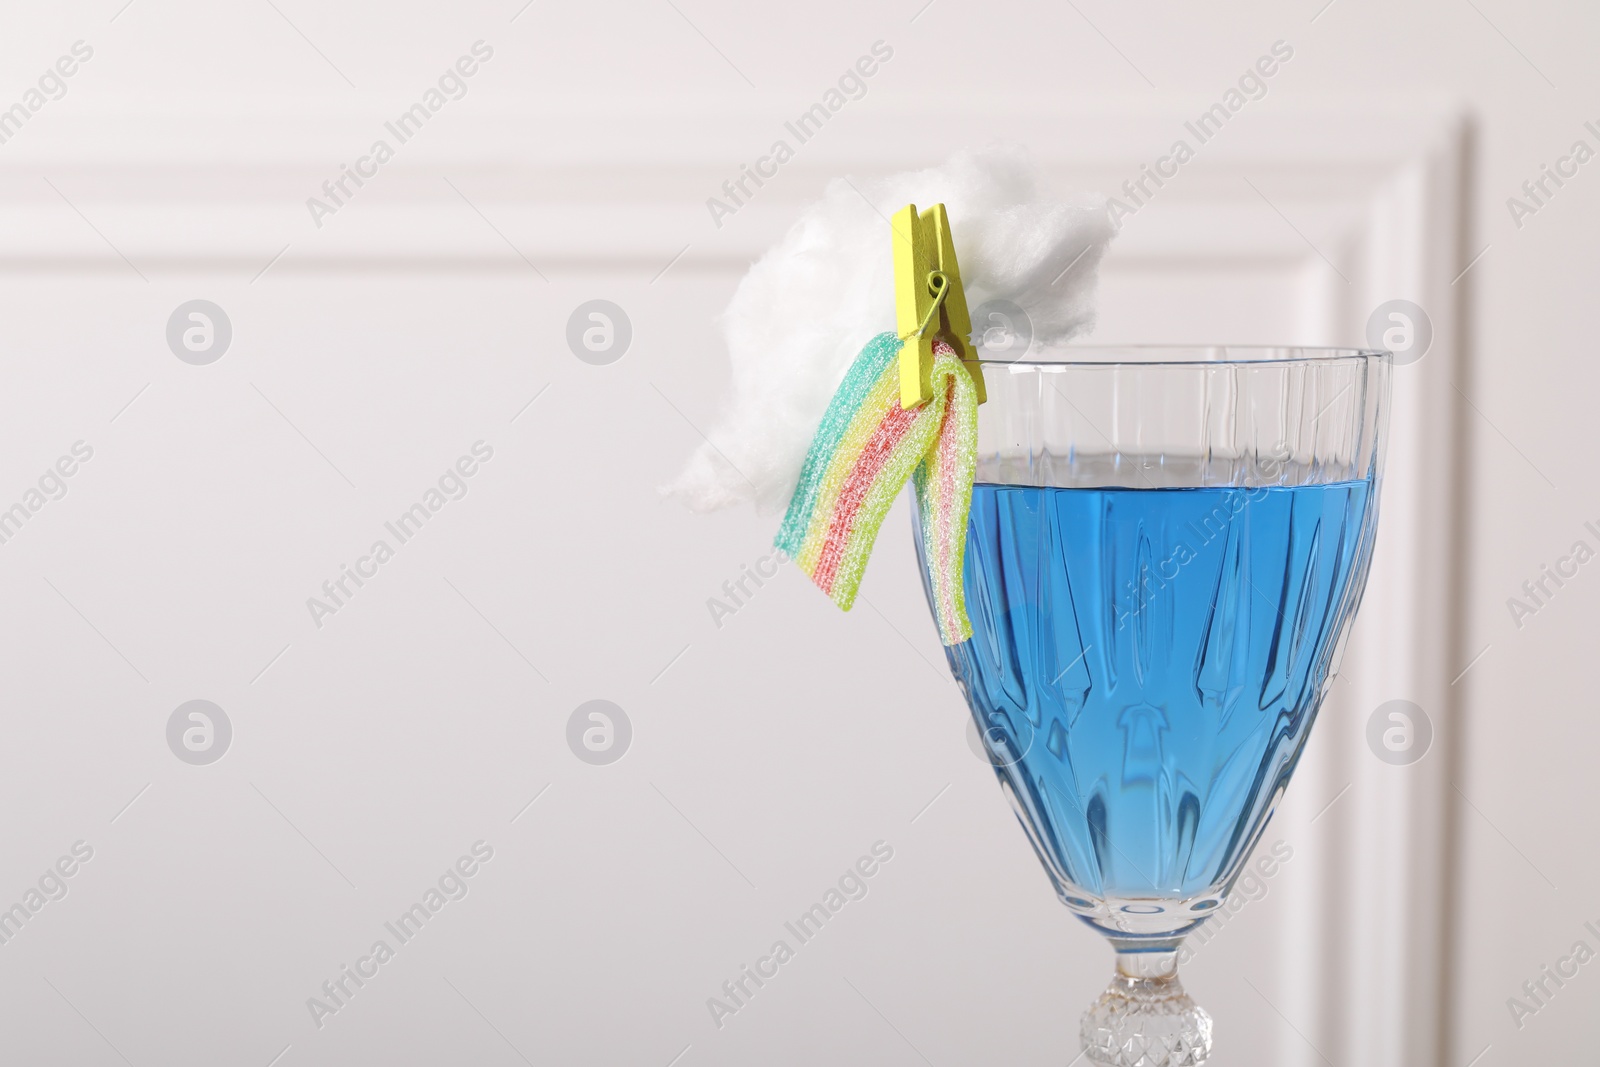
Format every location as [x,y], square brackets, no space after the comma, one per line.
[1146,664]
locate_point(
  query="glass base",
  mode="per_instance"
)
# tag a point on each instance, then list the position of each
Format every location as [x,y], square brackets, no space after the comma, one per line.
[1144,1018]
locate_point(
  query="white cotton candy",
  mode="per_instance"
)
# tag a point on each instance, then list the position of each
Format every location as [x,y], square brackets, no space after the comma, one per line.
[806,308]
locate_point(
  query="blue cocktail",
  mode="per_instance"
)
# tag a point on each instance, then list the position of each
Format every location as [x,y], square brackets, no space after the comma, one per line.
[1165,551]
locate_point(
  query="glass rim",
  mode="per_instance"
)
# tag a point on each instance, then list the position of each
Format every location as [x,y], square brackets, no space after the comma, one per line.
[1071,355]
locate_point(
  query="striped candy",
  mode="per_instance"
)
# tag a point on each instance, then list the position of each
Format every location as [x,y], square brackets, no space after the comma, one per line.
[863,453]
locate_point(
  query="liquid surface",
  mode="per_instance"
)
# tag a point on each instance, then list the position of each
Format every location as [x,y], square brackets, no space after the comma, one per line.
[1146,663]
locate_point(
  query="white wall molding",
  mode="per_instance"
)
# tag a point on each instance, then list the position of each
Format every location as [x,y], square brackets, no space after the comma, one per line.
[585,190]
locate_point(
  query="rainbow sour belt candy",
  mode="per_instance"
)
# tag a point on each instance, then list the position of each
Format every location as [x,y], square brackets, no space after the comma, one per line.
[861,456]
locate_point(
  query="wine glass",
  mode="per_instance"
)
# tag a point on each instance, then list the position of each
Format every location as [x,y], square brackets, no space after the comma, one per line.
[1166,549]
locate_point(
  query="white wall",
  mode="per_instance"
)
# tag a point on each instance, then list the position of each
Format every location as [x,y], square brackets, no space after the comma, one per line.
[372,754]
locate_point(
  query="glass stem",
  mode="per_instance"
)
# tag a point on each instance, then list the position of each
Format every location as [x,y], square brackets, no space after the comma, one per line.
[1157,966]
[1144,1018]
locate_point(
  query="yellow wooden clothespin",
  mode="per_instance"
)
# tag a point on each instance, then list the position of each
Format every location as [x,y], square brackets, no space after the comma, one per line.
[929,301]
